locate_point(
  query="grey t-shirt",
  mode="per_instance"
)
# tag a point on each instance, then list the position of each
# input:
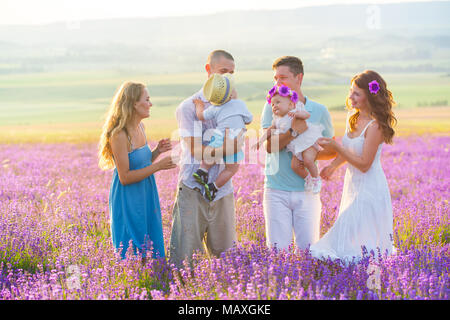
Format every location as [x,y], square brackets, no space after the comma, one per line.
[190,126]
[233,114]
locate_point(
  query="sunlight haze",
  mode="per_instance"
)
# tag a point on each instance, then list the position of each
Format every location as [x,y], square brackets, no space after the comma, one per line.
[25,12]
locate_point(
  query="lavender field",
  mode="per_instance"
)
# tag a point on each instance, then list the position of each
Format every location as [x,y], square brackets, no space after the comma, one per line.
[55,240]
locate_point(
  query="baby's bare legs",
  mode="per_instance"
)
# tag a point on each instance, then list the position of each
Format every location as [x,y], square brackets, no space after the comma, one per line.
[226,174]
[309,156]
[298,167]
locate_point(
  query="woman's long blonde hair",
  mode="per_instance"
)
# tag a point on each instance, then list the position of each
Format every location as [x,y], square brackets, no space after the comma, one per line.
[119,114]
[380,104]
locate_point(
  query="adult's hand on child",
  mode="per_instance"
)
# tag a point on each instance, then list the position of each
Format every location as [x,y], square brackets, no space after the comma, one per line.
[199,108]
[198,102]
[327,172]
[299,125]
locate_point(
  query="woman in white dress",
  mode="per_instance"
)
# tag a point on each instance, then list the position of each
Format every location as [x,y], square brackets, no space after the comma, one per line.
[365,213]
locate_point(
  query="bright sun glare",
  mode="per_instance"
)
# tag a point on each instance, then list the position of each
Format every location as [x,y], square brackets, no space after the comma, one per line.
[48,11]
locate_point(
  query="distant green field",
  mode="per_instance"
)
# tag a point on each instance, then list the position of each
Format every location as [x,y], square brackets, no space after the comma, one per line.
[70,106]
[78,97]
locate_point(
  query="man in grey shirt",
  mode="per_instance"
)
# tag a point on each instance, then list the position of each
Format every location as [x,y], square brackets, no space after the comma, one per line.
[198,223]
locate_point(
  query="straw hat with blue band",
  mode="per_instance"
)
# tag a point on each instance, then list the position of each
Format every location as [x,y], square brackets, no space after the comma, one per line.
[218,88]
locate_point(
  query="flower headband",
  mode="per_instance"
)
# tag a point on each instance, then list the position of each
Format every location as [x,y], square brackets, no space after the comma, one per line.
[283,91]
[374,87]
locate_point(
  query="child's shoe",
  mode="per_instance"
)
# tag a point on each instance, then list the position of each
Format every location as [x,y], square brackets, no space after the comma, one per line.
[210,191]
[308,183]
[316,185]
[201,176]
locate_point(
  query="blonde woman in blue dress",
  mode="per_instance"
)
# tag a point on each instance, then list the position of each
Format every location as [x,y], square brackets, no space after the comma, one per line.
[134,208]
[365,214]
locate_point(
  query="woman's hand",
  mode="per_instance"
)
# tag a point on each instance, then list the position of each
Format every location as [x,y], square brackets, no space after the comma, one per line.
[327,172]
[328,143]
[166,163]
[164,145]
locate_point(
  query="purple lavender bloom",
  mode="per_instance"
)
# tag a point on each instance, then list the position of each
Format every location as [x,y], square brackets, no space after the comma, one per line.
[374,87]
[55,240]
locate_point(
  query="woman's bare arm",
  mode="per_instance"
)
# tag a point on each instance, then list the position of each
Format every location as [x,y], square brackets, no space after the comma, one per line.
[363,162]
[119,146]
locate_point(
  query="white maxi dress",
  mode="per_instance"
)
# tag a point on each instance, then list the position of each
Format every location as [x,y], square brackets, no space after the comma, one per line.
[365,213]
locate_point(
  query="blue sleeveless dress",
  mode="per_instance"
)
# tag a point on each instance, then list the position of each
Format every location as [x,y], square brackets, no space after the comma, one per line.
[134,209]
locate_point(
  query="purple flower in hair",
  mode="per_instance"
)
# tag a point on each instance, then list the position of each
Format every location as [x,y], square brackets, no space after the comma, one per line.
[374,87]
[284,91]
[294,97]
[273,90]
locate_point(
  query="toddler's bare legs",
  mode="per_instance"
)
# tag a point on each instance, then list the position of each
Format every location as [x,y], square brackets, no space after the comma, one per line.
[226,174]
[309,156]
[313,183]
[298,167]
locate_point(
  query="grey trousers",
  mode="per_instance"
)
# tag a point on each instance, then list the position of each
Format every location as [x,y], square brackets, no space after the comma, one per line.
[200,225]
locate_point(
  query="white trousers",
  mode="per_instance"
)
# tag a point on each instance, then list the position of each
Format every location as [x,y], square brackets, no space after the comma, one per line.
[288,212]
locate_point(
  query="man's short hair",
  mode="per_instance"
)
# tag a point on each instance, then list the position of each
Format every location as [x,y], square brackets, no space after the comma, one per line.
[295,64]
[216,54]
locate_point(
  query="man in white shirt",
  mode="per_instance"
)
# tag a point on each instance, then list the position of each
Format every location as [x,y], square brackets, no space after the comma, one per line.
[198,223]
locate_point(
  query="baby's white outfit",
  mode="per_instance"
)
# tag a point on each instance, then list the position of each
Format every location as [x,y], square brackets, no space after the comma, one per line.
[304,140]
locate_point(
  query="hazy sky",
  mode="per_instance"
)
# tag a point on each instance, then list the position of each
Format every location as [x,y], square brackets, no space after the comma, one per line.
[47,11]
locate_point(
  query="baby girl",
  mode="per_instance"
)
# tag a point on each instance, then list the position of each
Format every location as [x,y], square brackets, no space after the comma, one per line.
[285,106]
